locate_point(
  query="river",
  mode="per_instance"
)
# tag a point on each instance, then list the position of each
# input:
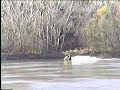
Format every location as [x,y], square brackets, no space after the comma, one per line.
[54,75]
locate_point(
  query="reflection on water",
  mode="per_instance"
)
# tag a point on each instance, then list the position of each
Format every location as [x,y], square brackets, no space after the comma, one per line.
[54,75]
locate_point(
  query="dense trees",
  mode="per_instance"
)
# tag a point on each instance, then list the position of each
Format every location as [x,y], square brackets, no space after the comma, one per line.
[103,30]
[53,26]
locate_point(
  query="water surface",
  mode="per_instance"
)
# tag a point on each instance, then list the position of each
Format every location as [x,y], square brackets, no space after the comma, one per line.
[54,75]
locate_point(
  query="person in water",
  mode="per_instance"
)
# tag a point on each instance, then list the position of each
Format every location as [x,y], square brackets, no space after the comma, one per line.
[67,59]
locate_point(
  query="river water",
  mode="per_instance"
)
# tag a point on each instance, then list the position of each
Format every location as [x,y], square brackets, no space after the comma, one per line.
[54,75]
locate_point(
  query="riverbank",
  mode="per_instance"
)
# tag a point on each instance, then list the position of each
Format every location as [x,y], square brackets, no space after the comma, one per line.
[81,52]
[30,56]
[94,53]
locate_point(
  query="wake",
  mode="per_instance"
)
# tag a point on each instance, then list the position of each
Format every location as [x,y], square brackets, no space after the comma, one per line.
[77,60]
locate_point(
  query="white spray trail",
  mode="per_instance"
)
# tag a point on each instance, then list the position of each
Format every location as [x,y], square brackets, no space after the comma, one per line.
[77,60]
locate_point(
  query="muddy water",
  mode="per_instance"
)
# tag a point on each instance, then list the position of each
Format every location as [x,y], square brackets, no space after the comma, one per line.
[54,75]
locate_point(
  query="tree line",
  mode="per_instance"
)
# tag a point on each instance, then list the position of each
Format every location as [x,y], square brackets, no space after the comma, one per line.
[41,26]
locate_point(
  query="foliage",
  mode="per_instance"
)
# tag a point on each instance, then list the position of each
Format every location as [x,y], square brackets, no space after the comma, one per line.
[54,26]
[102,10]
[100,31]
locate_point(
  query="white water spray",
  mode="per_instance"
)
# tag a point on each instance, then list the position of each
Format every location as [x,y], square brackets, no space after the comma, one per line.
[77,60]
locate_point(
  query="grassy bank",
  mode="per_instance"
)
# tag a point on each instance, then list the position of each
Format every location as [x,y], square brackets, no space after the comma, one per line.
[93,52]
